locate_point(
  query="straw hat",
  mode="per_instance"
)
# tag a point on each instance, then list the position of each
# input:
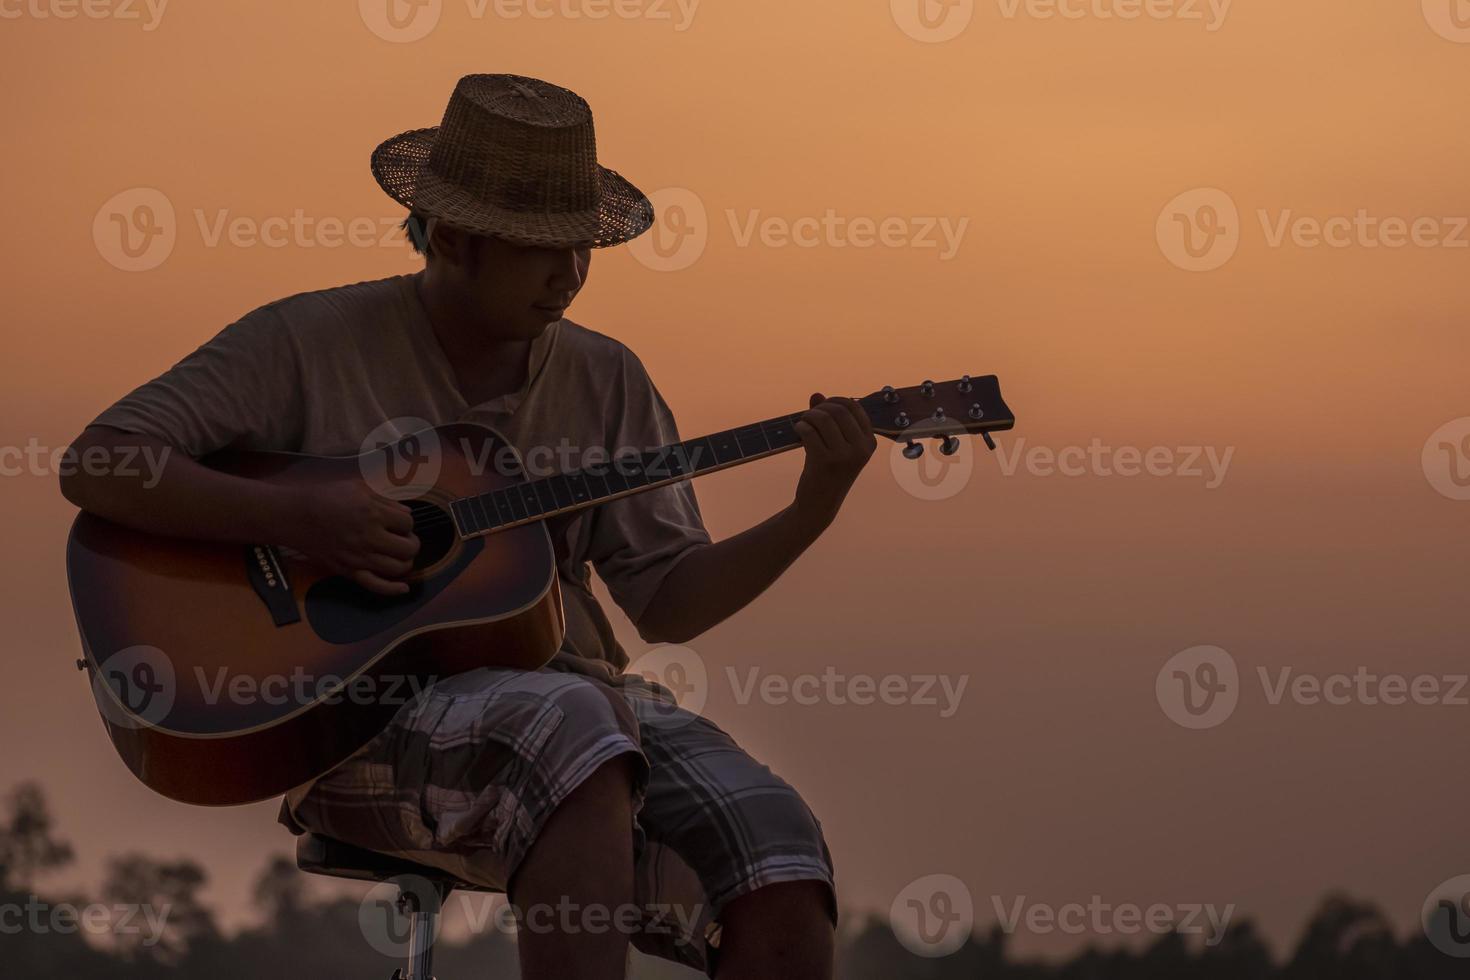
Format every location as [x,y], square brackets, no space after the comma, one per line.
[515,158]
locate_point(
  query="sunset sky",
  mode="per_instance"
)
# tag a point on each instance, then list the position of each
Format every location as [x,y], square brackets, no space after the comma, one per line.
[1037,175]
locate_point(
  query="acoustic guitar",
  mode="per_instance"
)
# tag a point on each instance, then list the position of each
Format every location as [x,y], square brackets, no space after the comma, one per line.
[229,673]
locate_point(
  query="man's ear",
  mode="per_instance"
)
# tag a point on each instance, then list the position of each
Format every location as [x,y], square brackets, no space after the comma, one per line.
[450,244]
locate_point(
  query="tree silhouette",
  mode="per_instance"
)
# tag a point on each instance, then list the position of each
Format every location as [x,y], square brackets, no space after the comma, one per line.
[301,934]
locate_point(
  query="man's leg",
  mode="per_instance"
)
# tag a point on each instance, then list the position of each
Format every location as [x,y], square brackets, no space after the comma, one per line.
[732,854]
[778,931]
[582,859]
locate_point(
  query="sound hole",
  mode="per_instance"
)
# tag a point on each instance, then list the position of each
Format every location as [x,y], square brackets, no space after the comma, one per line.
[435,530]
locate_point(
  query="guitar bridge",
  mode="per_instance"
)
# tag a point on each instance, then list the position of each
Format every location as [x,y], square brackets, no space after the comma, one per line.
[268,579]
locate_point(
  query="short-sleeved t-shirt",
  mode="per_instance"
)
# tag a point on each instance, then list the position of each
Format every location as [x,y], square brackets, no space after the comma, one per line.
[321,371]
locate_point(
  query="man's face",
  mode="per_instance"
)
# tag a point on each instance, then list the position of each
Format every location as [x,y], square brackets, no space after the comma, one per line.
[521,290]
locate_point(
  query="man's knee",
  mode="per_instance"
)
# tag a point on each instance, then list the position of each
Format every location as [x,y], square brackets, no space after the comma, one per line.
[785,928]
[586,845]
[807,903]
[608,791]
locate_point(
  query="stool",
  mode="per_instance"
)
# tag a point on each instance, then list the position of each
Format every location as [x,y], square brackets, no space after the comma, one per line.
[325,856]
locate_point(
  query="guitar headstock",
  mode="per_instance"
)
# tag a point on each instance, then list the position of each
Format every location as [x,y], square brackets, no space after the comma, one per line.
[966,406]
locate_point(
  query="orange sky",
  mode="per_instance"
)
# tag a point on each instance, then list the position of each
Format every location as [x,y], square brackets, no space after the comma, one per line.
[1057,142]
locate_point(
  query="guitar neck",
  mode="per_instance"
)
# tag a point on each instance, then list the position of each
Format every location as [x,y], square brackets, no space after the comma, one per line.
[626,474]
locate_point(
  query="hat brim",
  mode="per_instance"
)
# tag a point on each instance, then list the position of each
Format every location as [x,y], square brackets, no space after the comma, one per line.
[400,166]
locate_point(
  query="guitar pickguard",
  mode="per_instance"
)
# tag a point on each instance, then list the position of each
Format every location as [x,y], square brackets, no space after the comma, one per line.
[341,611]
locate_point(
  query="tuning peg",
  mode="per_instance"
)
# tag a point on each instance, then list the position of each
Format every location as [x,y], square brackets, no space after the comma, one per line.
[965,384]
[889,395]
[949,446]
[913,450]
[902,420]
[927,388]
[976,412]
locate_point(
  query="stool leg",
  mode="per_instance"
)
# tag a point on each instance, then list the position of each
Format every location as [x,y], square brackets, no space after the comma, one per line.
[422,911]
[421,946]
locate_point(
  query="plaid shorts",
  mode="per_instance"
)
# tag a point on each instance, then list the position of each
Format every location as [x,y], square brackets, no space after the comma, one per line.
[467,774]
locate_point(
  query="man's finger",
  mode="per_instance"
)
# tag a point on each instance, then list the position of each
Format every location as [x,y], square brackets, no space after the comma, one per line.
[396,545]
[852,433]
[387,566]
[396,516]
[810,437]
[381,586]
[865,424]
[824,423]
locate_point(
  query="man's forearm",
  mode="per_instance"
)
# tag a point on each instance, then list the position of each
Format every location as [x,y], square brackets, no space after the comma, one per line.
[718,580]
[184,499]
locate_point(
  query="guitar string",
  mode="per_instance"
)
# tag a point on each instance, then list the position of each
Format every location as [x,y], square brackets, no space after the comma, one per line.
[440,516]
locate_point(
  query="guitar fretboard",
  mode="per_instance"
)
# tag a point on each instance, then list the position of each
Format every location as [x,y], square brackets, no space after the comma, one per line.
[627,473]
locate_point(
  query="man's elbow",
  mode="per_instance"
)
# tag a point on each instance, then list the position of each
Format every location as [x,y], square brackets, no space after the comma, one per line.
[655,634]
[70,477]
[652,629]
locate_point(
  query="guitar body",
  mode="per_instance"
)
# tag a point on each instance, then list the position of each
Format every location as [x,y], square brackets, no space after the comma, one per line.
[229,673]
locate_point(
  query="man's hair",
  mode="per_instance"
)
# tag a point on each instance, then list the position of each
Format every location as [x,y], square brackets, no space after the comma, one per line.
[416,227]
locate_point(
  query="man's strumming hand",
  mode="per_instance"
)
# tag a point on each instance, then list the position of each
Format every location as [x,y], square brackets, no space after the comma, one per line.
[354,531]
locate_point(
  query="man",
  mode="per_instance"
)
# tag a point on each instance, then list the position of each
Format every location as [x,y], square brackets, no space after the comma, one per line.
[576,785]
